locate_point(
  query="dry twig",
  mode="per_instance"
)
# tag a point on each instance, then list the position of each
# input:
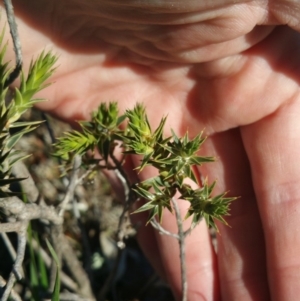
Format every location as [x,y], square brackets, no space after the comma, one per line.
[72,185]
[14,295]
[16,42]
[124,223]
[15,274]
[181,241]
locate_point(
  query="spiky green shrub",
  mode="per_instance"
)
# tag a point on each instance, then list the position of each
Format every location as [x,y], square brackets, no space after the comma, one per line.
[174,158]
[13,103]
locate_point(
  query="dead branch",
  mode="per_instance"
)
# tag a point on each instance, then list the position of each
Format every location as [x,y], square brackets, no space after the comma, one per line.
[16,42]
[14,295]
[11,227]
[25,211]
[123,225]
[15,274]
[67,296]
[20,170]
[156,225]
[72,185]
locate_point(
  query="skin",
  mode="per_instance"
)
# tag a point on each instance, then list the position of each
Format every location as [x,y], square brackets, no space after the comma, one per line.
[228,67]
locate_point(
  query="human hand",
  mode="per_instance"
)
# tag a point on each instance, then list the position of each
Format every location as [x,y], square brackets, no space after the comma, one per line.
[226,68]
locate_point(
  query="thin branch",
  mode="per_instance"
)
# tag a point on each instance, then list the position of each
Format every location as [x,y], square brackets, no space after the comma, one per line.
[9,246]
[15,274]
[13,294]
[11,227]
[65,180]
[16,42]
[72,185]
[86,174]
[155,224]
[69,197]
[50,130]
[67,296]
[188,231]
[21,251]
[87,254]
[25,211]
[124,220]
[20,170]
[119,171]
[181,241]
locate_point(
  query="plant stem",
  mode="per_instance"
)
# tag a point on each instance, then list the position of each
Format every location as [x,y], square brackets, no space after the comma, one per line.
[124,221]
[72,185]
[181,241]
[13,295]
[156,225]
[15,274]
[16,42]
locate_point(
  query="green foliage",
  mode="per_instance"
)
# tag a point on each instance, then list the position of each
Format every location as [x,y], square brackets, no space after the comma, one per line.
[139,139]
[56,290]
[203,204]
[37,267]
[101,132]
[13,103]
[39,71]
[75,142]
[175,159]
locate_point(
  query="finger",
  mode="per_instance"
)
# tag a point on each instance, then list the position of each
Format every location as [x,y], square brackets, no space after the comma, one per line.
[241,252]
[284,12]
[273,146]
[185,33]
